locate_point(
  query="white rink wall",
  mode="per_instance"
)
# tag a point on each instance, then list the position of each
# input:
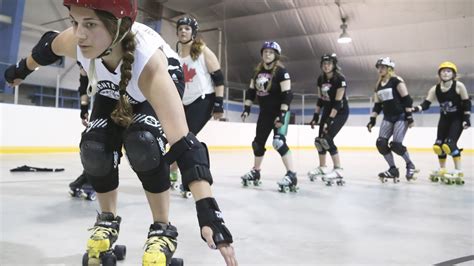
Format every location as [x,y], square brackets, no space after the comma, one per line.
[25,126]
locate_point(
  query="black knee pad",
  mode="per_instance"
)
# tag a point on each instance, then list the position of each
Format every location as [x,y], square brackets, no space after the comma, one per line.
[258,149]
[382,146]
[328,143]
[398,148]
[279,144]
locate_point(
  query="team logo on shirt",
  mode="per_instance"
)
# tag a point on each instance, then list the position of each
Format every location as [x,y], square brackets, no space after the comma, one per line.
[189,73]
[325,88]
[111,90]
[261,83]
[448,107]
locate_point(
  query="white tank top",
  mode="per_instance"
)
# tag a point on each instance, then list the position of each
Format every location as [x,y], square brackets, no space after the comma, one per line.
[197,77]
[107,82]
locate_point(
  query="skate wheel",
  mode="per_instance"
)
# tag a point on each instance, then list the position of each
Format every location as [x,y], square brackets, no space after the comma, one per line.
[286,189]
[257,183]
[109,259]
[329,184]
[92,197]
[396,180]
[71,193]
[177,262]
[120,251]
[85,259]
[175,186]
[188,194]
[244,183]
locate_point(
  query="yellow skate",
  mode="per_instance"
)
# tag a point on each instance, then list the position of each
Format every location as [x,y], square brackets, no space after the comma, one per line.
[99,246]
[456,177]
[437,175]
[161,245]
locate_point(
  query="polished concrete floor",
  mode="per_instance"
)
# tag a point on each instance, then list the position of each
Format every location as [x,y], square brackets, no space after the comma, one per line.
[364,222]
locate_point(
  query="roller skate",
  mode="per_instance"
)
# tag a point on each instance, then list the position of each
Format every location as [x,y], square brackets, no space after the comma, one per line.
[335,176]
[174,175]
[81,188]
[185,193]
[252,177]
[317,172]
[99,246]
[455,177]
[288,183]
[437,174]
[411,171]
[392,172]
[161,245]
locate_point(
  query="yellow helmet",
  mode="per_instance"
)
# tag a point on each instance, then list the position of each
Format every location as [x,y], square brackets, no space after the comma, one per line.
[448,64]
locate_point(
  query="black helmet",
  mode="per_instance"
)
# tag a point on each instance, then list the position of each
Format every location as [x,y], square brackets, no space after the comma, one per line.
[329,57]
[190,22]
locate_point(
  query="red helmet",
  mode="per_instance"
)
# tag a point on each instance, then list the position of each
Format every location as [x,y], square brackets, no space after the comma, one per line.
[118,8]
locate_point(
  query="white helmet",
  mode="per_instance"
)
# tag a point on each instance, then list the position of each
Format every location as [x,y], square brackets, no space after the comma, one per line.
[385,61]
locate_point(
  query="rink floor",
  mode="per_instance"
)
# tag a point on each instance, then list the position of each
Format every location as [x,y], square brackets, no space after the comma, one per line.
[364,222]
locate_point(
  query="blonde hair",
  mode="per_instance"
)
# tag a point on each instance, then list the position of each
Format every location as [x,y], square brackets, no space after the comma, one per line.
[123,112]
[390,73]
[196,48]
[260,66]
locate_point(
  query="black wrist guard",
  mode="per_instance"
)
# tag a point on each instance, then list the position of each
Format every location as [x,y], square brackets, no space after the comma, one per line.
[246,110]
[409,117]
[315,118]
[18,71]
[281,116]
[208,214]
[218,104]
[329,122]
[467,119]
[84,110]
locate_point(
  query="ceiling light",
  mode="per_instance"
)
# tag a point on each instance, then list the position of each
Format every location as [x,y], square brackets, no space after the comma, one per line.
[344,37]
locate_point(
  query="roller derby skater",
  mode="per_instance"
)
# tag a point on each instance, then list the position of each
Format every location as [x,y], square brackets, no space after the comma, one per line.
[272,85]
[81,188]
[455,115]
[252,177]
[288,183]
[135,103]
[333,103]
[391,96]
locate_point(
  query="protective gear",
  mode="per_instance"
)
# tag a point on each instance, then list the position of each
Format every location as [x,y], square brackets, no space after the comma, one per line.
[398,148]
[281,116]
[84,110]
[286,97]
[409,117]
[406,101]
[329,57]
[377,108]
[218,105]
[329,122]
[450,148]
[190,22]
[324,143]
[97,161]
[382,146]
[315,119]
[449,65]
[18,71]
[258,149]
[467,120]
[118,8]
[371,123]
[83,82]
[279,144]
[143,151]
[271,45]
[42,53]
[193,159]
[217,77]
[246,112]
[437,147]
[251,94]
[385,61]
[466,105]
[160,245]
[209,214]
[425,105]
[317,144]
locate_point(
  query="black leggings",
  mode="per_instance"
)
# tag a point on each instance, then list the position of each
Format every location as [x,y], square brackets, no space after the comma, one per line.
[338,123]
[109,137]
[265,124]
[199,112]
[449,131]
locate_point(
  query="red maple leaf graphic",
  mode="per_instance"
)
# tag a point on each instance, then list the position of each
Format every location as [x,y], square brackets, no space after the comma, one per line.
[188,73]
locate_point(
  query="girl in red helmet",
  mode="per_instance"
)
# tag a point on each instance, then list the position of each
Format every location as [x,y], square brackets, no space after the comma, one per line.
[455,113]
[135,103]
[271,84]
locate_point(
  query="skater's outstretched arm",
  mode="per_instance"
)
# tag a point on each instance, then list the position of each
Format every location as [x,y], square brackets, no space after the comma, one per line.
[425,105]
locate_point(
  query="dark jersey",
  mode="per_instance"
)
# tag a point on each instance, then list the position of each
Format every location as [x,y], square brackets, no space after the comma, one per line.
[390,97]
[328,89]
[450,102]
[269,97]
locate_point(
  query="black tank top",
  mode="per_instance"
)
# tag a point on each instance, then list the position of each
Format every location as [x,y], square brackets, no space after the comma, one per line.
[450,102]
[390,98]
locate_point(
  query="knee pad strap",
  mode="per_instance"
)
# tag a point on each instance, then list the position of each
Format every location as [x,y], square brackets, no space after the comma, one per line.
[279,144]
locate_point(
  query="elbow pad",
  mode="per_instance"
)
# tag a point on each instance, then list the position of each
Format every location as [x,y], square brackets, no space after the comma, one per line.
[407,101]
[425,105]
[377,108]
[217,77]
[83,82]
[287,97]
[43,53]
[466,105]
[251,94]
